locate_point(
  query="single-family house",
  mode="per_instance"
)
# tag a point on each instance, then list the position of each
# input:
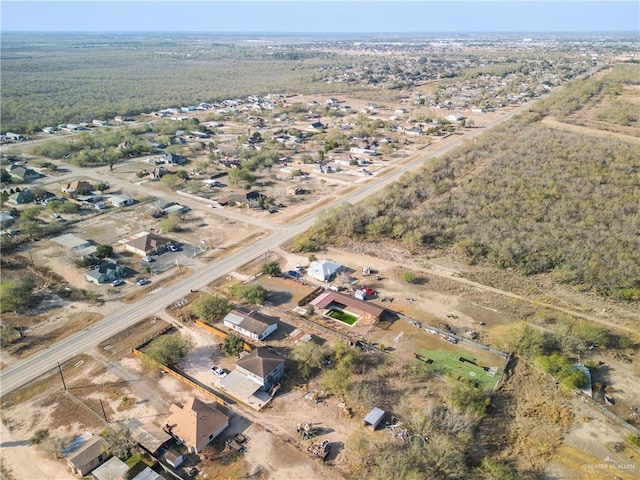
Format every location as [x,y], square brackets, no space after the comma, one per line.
[251,324]
[87,456]
[174,207]
[121,200]
[19,198]
[146,243]
[323,270]
[331,300]
[112,469]
[316,127]
[78,187]
[174,159]
[23,174]
[454,118]
[252,196]
[262,366]
[104,273]
[196,424]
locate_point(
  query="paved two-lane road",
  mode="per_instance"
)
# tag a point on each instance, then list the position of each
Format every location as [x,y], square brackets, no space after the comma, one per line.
[38,364]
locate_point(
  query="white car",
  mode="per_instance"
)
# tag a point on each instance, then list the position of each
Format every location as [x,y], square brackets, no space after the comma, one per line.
[147,259]
[117,282]
[142,281]
[219,372]
[172,248]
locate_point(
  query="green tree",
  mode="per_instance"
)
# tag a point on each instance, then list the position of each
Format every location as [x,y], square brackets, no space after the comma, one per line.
[271,268]
[467,398]
[211,308]
[495,470]
[572,379]
[17,294]
[170,224]
[5,176]
[308,357]
[31,213]
[168,349]
[238,176]
[39,436]
[104,251]
[63,206]
[233,345]
[251,292]
[118,441]
[8,334]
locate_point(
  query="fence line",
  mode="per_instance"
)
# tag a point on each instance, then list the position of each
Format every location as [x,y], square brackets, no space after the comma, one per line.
[183,377]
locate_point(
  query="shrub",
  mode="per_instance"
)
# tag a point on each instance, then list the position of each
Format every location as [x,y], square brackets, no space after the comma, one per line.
[408,276]
[271,268]
[233,345]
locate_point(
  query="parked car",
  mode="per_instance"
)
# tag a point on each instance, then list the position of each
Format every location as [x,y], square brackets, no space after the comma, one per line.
[219,372]
[172,248]
[117,282]
[294,274]
[147,259]
[142,281]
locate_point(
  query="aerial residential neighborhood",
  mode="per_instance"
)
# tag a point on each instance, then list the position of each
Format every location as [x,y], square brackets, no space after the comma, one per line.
[331,256]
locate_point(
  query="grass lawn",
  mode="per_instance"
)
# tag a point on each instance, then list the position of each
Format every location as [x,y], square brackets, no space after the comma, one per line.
[344,317]
[444,362]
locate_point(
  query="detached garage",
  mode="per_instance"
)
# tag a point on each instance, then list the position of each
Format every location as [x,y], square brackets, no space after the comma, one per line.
[374,417]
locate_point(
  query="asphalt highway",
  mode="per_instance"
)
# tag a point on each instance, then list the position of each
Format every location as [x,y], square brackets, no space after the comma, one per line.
[44,361]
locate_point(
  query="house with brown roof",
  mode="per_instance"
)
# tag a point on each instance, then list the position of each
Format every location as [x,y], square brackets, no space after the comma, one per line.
[87,456]
[196,424]
[78,187]
[330,300]
[146,243]
[251,324]
[262,366]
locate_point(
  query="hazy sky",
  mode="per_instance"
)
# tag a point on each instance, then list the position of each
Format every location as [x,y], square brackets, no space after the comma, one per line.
[300,16]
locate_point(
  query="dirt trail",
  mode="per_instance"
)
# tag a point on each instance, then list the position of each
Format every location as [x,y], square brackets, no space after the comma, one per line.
[592,132]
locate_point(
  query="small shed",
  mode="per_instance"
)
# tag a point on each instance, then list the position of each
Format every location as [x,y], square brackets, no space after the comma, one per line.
[374,417]
[173,458]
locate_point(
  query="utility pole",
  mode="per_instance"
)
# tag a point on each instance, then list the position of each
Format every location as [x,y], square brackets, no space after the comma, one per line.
[62,376]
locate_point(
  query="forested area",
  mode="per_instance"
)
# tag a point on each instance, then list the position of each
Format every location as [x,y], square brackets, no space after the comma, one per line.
[48,84]
[523,196]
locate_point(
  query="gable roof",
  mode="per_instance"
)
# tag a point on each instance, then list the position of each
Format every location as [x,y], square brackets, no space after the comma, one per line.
[324,300]
[112,469]
[86,453]
[104,269]
[253,321]
[261,362]
[194,422]
[148,474]
[78,185]
[323,269]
